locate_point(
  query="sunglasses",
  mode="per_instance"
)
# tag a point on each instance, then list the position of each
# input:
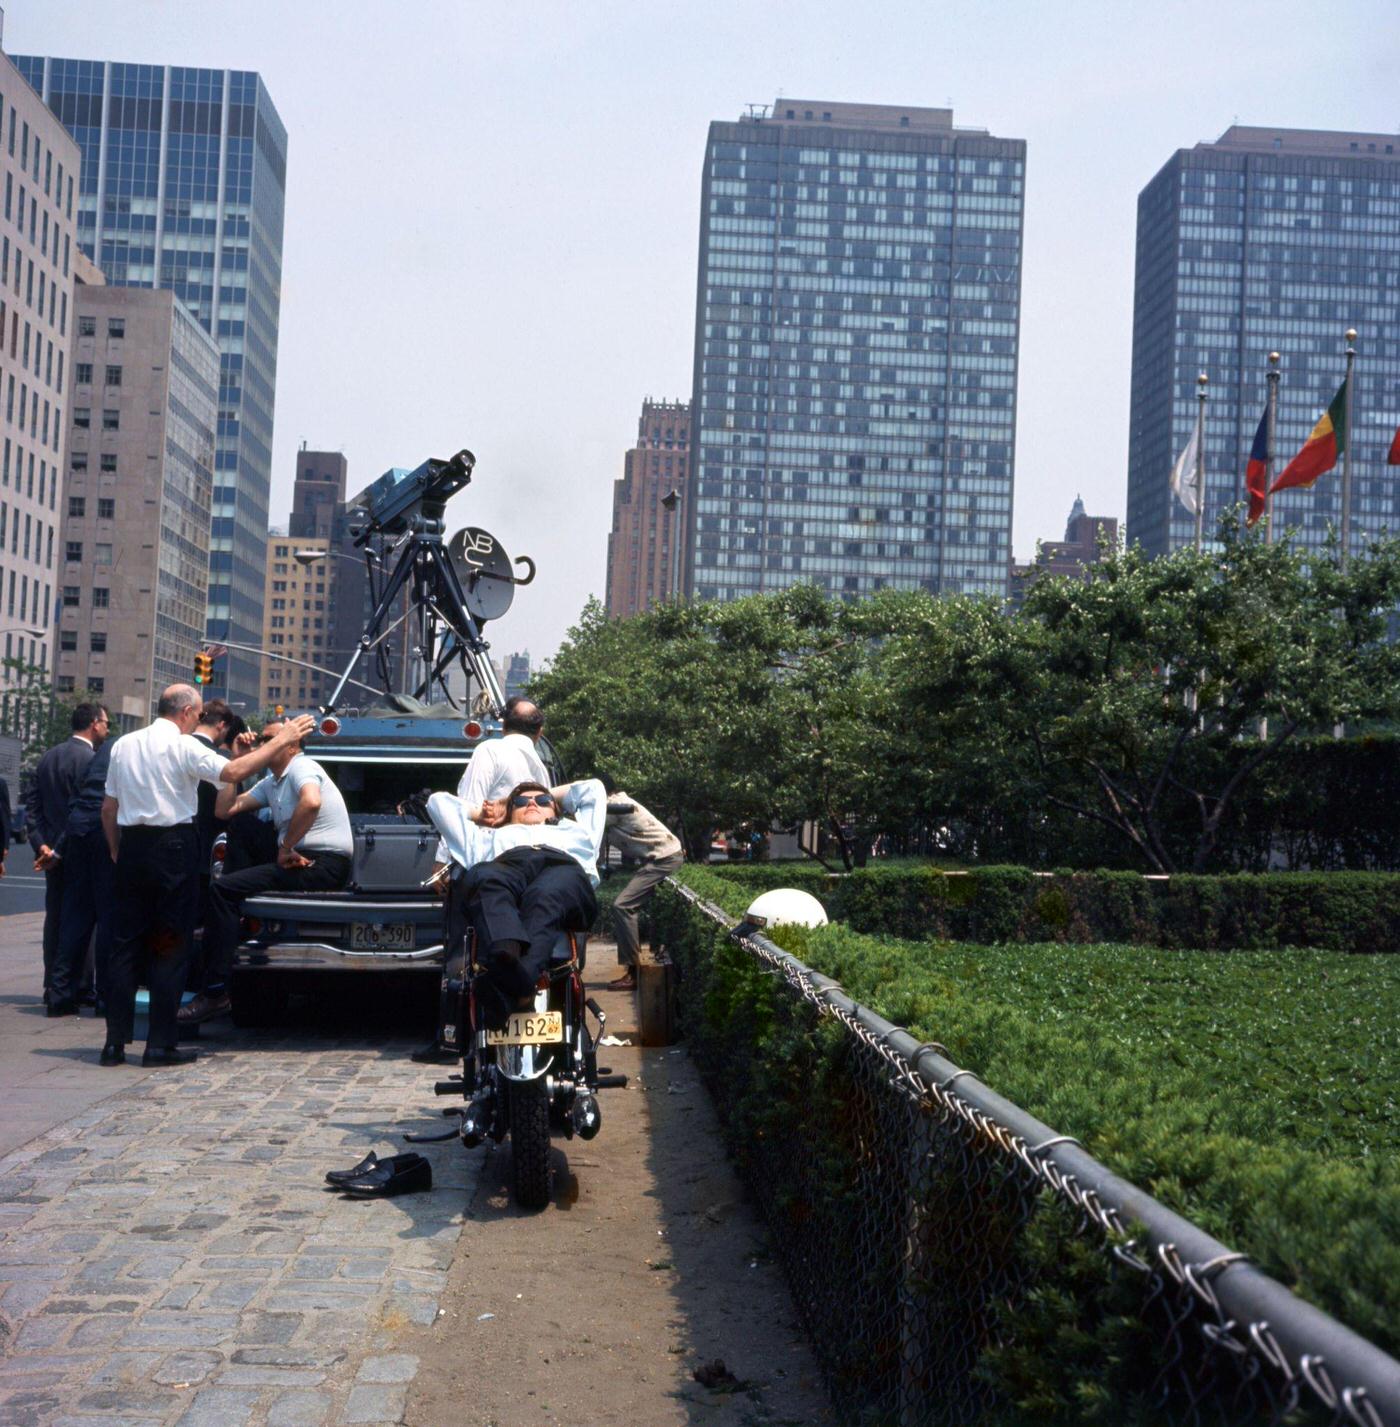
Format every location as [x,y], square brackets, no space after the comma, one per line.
[540,800]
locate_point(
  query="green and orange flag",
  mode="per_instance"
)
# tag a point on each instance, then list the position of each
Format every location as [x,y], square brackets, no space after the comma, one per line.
[1321,450]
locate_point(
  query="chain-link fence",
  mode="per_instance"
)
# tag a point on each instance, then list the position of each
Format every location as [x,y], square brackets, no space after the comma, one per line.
[954,1259]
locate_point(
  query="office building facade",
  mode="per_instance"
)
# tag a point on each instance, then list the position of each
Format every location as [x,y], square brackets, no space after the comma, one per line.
[1265,240]
[857,332]
[640,544]
[134,554]
[297,622]
[38,246]
[319,488]
[181,187]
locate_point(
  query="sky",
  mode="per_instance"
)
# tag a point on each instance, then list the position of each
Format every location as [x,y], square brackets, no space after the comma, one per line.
[493,209]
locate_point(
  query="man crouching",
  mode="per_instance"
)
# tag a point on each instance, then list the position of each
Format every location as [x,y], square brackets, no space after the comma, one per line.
[315,848]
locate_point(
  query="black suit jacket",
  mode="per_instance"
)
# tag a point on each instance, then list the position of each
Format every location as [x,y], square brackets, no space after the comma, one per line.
[56,780]
[206,823]
[7,822]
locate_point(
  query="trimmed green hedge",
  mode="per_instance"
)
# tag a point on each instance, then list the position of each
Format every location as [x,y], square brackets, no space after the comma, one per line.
[1333,911]
[1257,1094]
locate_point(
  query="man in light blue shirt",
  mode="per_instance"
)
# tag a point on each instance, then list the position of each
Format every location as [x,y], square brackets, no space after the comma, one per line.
[530,866]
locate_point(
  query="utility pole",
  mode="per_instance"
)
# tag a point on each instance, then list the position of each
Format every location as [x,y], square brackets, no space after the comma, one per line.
[1272,379]
[672,501]
[1201,382]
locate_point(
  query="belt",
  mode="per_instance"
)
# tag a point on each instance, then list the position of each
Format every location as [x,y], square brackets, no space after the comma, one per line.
[155,827]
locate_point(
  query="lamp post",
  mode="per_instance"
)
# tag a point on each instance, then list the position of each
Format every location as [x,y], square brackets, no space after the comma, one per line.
[672,502]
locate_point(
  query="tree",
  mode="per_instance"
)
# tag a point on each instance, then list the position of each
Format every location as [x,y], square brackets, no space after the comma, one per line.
[32,711]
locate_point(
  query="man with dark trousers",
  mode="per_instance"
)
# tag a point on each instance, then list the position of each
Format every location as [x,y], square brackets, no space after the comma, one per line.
[81,849]
[314,850]
[148,815]
[217,728]
[55,782]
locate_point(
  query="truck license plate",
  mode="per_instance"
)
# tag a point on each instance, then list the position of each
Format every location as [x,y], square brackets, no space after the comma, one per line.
[392,936]
[529,1028]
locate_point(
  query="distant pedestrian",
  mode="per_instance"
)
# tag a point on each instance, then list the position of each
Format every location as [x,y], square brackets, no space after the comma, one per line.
[643,838]
[7,824]
[148,816]
[55,782]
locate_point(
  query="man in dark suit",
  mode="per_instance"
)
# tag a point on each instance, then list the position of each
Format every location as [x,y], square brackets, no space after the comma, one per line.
[7,824]
[55,782]
[218,727]
[81,850]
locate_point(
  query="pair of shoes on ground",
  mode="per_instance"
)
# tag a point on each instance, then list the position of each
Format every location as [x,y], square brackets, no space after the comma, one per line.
[626,982]
[61,1008]
[203,1007]
[153,1057]
[383,1178]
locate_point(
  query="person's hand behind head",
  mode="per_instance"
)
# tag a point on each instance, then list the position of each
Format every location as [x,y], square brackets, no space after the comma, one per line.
[295,729]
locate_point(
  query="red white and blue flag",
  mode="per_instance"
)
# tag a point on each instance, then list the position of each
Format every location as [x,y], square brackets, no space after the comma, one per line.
[1256,475]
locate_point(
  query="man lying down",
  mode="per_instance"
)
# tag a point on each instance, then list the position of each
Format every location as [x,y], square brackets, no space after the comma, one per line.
[523,869]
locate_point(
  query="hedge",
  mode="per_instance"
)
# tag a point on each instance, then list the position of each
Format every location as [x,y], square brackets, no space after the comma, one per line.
[1259,1095]
[1332,911]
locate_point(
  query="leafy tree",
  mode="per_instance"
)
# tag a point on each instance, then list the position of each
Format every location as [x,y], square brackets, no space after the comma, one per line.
[32,711]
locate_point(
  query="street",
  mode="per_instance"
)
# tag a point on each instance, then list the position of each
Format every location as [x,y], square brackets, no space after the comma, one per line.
[169,1253]
[21,888]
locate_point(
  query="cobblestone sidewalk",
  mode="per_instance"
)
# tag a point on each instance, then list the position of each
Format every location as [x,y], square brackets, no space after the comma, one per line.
[171,1255]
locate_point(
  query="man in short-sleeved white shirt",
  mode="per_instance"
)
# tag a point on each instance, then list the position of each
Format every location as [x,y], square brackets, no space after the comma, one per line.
[148,814]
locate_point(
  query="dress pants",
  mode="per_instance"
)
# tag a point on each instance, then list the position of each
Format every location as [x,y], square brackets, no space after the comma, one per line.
[629,902]
[526,897]
[156,896]
[87,906]
[329,871]
[53,917]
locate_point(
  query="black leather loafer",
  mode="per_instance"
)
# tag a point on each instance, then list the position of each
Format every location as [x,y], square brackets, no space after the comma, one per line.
[399,1174]
[167,1055]
[339,1176]
[61,1008]
[113,1053]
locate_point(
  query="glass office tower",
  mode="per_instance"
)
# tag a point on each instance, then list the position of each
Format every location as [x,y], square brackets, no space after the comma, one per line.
[1266,240]
[857,326]
[182,182]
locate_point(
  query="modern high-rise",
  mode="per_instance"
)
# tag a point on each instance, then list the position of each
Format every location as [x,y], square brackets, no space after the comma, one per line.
[856,340]
[134,553]
[1265,240]
[641,540]
[38,245]
[182,181]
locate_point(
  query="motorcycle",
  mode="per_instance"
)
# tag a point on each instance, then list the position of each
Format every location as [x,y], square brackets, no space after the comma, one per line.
[537,1075]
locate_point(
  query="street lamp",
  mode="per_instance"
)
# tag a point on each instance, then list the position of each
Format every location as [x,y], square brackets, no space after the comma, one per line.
[312,557]
[672,502]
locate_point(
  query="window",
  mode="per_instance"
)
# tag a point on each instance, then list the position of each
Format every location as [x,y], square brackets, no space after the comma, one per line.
[116,326]
[102,553]
[82,417]
[68,640]
[87,327]
[77,507]
[101,597]
[70,597]
[82,373]
[98,685]
[97,642]
[64,684]
[73,552]
[106,508]
[111,420]
[78,462]
[109,461]
[114,375]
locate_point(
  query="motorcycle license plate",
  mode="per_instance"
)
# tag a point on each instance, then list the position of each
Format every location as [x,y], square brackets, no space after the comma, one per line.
[392,936]
[529,1028]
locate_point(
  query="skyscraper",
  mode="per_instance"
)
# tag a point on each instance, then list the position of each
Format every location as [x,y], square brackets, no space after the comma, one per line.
[1265,240]
[319,487]
[857,325]
[38,164]
[134,556]
[640,542]
[181,187]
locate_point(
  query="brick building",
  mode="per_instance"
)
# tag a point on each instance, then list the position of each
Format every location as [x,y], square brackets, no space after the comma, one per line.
[639,545]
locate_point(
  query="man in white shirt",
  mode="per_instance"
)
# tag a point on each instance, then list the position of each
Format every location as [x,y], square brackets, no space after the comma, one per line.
[148,815]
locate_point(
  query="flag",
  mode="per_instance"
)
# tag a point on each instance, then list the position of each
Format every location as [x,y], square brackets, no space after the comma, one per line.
[1394,458]
[1257,472]
[1184,473]
[1321,450]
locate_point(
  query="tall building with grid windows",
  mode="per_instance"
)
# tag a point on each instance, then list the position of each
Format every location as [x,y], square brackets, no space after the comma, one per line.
[1265,240]
[857,330]
[38,187]
[181,187]
[640,573]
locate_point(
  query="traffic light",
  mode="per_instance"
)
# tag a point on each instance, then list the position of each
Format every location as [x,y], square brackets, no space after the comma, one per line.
[203,668]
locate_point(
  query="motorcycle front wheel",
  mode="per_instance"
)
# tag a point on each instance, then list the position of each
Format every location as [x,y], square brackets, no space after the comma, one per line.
[529,1142]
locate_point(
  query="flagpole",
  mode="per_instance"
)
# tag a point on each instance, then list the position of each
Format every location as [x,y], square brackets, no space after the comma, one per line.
[1346,454]
[1272,378]
[1200,458]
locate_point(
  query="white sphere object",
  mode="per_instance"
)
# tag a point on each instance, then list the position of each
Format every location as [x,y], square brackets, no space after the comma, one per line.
[786,906]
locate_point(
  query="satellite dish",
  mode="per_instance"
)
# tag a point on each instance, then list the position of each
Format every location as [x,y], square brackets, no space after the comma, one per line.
[484,569]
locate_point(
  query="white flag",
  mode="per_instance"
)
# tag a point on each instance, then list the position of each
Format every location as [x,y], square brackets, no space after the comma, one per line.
[1184,473]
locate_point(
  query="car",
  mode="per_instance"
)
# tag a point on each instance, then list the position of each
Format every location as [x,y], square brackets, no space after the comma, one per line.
[386,919]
